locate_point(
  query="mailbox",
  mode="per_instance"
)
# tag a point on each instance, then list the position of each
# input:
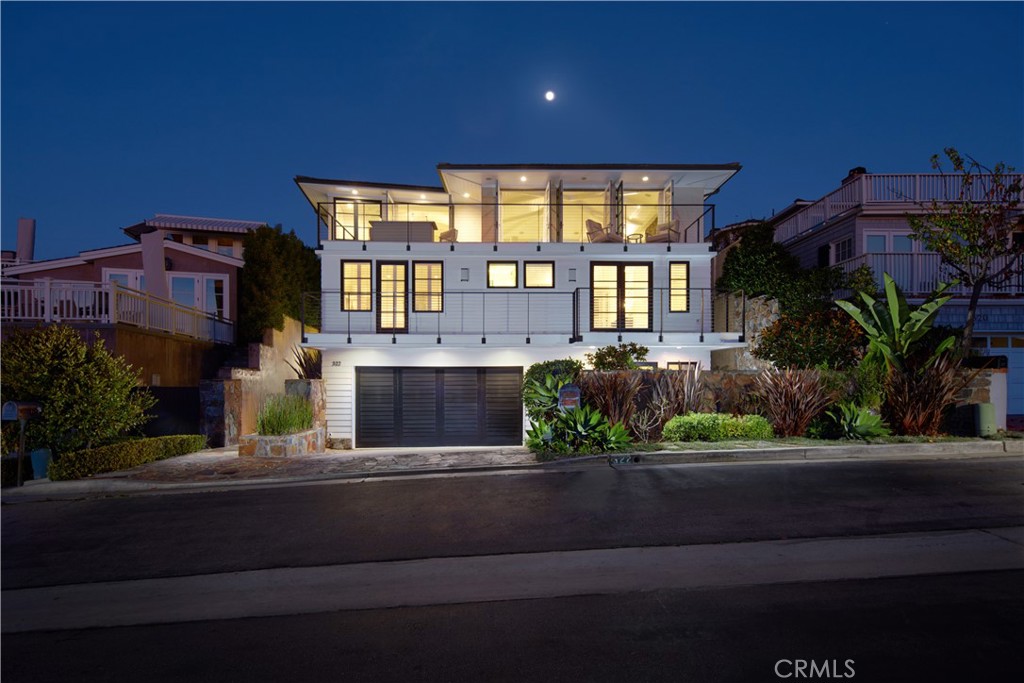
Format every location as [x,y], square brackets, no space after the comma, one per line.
[19,410]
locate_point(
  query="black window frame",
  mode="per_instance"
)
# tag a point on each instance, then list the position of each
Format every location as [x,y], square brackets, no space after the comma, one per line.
[526,281]
[502,263]
[369,293]
[620,314]
[439,295]
[671,291]
[380,295]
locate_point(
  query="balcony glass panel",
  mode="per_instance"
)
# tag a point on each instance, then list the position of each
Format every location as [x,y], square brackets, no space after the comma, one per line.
[523,216]
[579,206]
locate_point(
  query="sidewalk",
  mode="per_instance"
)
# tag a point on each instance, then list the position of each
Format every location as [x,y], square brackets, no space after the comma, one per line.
[222,467]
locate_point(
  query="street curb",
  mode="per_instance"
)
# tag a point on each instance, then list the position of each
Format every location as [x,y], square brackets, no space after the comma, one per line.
[45,490]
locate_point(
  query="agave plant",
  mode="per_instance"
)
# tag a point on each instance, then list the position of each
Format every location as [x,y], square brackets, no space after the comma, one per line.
[792,398]
[893,327]
[858,423]
[541,398]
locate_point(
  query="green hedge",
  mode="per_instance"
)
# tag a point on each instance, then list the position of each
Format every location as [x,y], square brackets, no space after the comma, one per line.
[123,455]
[716,427]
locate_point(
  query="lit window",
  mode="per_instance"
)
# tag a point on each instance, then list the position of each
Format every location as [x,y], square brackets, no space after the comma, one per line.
[355,286]
[681,365]
[502,274]
[539,274]
[620,296]
[679,287]
[428,287]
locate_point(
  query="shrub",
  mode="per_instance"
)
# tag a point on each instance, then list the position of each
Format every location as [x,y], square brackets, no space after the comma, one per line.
[88,396]
[853,422]
[916,401]
[123,455]
[821,338]
[278,269]
[563,368]
[282,414]
[612,393]
[792,398]
[578,431]
[759,266]
[308,363]
[621,357]
[716,427]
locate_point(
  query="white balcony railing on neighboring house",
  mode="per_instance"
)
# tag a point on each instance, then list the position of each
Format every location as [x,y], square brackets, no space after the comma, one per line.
[49,301]
[909,189]
[918,274]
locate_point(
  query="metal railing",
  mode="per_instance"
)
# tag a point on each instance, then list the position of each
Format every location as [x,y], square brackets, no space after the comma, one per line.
[881,188]
[918,274]
[521,313]
[499,223]
[50,301]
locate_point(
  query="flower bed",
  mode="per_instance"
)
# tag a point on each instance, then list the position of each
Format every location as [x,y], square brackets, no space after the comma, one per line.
[307,442]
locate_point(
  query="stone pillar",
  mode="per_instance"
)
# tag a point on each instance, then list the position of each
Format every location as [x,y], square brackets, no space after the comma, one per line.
[220,408]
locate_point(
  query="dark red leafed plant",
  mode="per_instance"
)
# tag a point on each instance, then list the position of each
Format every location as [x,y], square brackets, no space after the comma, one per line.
[792,398]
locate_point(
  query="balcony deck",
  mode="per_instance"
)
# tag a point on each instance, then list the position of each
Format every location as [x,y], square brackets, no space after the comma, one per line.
[48,301]
[902,192]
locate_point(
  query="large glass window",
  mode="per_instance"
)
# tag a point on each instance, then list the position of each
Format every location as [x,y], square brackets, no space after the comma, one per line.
[642,210]
[679,287]
[352,219]
[524,216]
[539,274]
[620,296]
[391,297]
[874,244]
[355,286]
[183,290]
[431,213]
[428,287]
[502,274]
[579,206]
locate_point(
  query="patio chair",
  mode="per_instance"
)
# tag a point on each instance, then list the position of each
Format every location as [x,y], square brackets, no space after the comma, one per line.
[449,236]
[596,233]
[665,232]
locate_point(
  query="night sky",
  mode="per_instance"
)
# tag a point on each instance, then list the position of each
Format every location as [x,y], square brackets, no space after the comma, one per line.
[114,112]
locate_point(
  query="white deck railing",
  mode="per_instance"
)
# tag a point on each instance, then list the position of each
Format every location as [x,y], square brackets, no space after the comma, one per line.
[878,188]
[50,301]
[918,274]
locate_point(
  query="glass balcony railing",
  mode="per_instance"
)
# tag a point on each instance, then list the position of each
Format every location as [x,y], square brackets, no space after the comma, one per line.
[497,222]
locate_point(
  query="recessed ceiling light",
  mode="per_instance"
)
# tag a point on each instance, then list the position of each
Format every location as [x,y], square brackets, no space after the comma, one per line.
[522,179]
[465,194]
[355,191]
[423,196]
[645,179]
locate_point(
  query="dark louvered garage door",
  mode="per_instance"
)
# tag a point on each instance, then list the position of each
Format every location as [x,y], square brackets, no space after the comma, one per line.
[438,407]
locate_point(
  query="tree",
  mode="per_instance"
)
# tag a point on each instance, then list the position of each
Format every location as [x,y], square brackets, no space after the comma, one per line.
[279,269]
[88,396]
[974,232]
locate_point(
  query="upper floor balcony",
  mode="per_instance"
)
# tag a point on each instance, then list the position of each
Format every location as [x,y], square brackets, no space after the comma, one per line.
[897,192]
[509,222]
[917,274]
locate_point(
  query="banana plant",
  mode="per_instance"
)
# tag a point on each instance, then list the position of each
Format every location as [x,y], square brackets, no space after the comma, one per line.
[893,327]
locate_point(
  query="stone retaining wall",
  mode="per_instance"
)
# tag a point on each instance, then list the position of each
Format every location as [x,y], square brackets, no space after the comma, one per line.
[284,446]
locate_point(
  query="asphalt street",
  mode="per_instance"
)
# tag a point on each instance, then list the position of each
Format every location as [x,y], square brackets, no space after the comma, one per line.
[911,570]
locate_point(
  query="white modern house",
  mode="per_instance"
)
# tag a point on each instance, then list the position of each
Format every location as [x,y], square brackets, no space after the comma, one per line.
[435,299]
[864,222]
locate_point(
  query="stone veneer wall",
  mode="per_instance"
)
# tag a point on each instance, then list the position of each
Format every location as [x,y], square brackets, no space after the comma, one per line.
[760,313]
[308,442]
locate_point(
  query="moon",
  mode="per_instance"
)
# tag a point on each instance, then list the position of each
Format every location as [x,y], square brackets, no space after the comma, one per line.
[549,95]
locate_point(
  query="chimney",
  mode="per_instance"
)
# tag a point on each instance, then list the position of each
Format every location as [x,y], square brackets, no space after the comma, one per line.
[854,172]
[26,240]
